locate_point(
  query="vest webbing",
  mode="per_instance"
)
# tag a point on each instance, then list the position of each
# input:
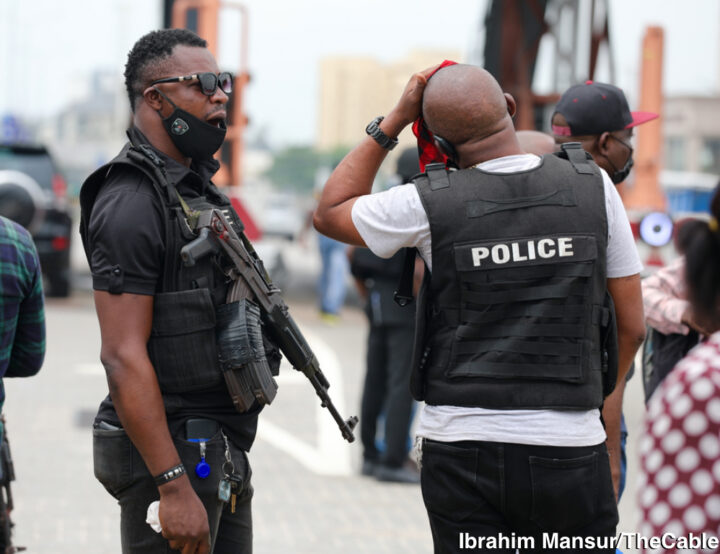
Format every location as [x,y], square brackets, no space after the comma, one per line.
[511,316]
[182,342]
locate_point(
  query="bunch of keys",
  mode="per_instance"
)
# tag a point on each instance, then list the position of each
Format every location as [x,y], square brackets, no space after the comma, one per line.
[231,484]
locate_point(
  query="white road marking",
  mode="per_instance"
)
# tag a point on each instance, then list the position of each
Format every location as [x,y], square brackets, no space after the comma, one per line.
[332,454]
[90,369]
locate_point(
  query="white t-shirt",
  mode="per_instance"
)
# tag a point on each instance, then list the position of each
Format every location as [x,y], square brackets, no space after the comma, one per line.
[390,220]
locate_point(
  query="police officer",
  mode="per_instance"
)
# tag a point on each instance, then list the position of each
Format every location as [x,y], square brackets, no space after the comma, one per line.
[513,355]
[597,116]
[168,424]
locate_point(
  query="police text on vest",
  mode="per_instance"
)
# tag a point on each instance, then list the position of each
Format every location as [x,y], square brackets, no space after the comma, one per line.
[521,251]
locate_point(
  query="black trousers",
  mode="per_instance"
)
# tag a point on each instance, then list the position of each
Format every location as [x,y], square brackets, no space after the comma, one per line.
[121,470]
[387,387]
[548,495]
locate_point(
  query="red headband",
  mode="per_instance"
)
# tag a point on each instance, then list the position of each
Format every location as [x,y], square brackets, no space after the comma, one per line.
[428,151]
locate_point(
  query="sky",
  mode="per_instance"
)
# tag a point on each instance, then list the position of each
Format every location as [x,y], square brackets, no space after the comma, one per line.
[49,48]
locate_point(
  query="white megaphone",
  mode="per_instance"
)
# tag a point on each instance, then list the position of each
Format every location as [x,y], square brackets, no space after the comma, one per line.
[656,228]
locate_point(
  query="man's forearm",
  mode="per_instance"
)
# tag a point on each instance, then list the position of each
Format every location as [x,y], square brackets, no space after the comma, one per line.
[136,396]
[627,297]
[355,174]
[352,178]
[612,414]
[628,345]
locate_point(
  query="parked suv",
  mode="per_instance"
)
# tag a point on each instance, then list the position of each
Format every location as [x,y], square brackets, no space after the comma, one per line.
[52,231]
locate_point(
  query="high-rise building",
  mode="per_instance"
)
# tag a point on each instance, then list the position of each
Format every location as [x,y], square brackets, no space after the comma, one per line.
[355,89]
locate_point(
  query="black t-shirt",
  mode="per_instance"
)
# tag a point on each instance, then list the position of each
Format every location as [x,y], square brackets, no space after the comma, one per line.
[126,229]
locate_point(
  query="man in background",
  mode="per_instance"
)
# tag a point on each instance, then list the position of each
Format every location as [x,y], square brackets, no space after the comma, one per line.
[537,142]
[511,435]
[22,331]
[386,399]
[598,117]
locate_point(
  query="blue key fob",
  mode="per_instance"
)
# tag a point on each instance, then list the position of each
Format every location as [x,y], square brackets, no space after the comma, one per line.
[202,469]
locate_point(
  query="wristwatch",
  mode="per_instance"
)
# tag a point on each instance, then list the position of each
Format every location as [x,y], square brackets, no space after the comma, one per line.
[373,129]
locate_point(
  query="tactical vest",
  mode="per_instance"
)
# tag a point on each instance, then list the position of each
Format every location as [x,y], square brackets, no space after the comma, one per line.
[182,344]
[515,314]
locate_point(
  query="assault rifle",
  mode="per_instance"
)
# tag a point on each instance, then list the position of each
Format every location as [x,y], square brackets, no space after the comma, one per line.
[216,234]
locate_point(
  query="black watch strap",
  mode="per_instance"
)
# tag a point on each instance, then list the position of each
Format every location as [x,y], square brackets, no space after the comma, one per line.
[373,129]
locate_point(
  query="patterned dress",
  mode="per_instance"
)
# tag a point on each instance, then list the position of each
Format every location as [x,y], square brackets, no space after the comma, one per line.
[680,453]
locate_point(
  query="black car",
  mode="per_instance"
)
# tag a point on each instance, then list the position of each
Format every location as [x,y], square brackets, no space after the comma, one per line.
[53,228]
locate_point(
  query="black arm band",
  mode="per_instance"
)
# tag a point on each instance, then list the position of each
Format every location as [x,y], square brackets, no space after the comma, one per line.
[170,475]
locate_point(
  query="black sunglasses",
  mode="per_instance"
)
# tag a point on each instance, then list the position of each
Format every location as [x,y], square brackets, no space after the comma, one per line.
[209,82]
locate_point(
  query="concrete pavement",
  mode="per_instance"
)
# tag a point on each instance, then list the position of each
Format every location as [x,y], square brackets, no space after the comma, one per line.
[309,497]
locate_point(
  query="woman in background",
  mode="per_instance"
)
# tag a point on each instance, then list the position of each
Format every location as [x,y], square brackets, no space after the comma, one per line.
[680,452]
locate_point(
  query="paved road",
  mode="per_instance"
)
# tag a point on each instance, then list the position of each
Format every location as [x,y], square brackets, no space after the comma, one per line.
[309,496]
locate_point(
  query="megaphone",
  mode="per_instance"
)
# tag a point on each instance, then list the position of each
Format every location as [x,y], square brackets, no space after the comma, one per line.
[656,228]
[21,199]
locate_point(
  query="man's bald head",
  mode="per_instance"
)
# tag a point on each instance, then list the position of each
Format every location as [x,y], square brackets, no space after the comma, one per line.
[535,142]
[463,103]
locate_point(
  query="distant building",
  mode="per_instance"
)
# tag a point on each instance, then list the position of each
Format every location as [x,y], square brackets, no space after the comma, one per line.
[90,131]
[691,125]
[691,130]
[354,89]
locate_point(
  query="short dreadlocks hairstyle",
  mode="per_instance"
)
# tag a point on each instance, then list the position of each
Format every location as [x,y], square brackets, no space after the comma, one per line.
[145,58]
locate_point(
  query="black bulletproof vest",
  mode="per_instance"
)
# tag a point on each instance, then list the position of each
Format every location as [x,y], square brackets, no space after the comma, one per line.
[182,345]
[511,316]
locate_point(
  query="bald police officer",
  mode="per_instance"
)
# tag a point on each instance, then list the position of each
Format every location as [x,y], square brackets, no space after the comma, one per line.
[511,358]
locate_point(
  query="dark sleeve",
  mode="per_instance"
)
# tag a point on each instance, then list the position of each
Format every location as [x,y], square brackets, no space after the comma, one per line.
[126,233]
[28,349]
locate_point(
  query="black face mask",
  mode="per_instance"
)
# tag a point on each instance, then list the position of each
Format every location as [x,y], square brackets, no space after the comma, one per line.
[619,175]
[193,137]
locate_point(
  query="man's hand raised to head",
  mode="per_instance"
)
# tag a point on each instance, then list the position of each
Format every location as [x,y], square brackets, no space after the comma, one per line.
[409,107]
[353,177]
